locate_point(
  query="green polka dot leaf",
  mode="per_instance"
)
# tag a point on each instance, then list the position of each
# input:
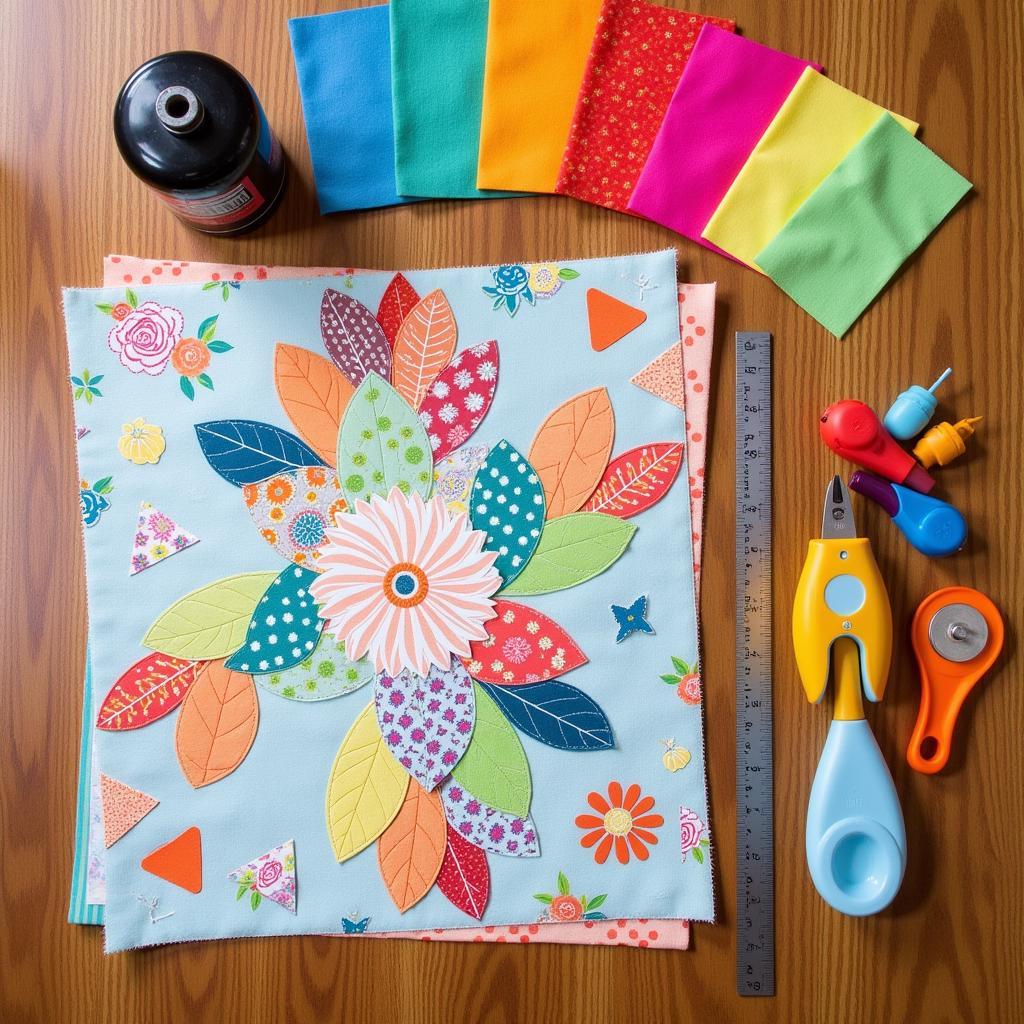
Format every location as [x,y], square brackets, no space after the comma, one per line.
[382,444]
[507,504]
[327,673]
[285,627]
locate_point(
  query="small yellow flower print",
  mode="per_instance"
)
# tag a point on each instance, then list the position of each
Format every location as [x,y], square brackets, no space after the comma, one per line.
[141,442]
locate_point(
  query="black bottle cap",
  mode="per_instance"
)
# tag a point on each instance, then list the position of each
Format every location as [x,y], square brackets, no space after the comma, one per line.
[186,121]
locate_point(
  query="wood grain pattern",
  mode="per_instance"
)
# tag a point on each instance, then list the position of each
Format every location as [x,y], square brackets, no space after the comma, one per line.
[951,947]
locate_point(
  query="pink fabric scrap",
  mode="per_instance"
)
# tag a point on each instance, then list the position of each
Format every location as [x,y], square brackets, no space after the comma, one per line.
[730,91]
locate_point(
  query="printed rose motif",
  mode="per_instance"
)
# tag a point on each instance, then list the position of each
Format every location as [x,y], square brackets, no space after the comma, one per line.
[144,339]
[269,873]
[566,908]
[686,680]
[93,505]
[120,310]
[93,500]
[511,286]
[691,835]
[563,906]
[190,357]
[514,282]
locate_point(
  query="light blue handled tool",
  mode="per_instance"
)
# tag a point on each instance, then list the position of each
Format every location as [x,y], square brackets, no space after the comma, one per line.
[855,838]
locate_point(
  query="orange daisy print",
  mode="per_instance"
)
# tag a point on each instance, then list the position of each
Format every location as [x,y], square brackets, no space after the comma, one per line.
[625,823]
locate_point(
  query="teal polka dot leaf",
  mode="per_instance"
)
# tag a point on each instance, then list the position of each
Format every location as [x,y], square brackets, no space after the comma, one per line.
[285,627]
[507,504]
[382,444]
[325,674]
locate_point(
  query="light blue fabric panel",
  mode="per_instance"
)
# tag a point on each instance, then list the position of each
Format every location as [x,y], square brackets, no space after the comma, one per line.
[277,793]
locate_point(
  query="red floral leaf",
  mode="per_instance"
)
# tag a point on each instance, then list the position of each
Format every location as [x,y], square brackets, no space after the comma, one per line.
[458,399]
[153,687]
[465,878]
[522,646]
[637,480]
[396,304]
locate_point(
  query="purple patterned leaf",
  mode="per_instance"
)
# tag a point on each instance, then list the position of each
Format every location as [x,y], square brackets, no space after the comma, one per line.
[426,721]
[484,826]
[353,338]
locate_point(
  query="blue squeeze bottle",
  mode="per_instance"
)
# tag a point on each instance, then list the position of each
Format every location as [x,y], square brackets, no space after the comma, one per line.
[912,410]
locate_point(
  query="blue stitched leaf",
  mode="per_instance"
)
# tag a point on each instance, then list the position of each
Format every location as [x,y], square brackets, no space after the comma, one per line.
[285,627]
[246,451]
[507,504]
[554,713]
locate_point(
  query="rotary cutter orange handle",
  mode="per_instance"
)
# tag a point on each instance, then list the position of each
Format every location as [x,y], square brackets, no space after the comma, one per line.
[957,634]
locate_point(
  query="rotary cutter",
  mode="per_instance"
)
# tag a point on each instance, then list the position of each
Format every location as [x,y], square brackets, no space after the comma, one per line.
[842,626]
[957,634]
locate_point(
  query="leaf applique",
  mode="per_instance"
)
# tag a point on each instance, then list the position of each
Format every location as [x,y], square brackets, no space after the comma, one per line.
[494,767]
[353,338]
[522,646]
[314,394]
[382,444]
[426,721]
[285,627]
[217,724]
[292,511]
[556,714]
[153,687]
[507,504]
[247,451]
[411,849]
[637,480]
[396,304]
[365,790]
[424,346]
[493,830]
[325,674]
[210,622]
[458,400]
[464,878]
[572,550]
[571,449]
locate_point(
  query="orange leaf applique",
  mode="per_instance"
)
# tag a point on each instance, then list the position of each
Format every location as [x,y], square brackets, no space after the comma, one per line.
[424,346]
[314,393]
[571,449]
[411,850]
[217,724]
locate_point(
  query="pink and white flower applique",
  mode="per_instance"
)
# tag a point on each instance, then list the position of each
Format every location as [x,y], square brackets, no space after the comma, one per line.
[406,583]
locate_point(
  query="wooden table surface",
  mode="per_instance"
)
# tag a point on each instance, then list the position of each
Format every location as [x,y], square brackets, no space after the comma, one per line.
[950,948]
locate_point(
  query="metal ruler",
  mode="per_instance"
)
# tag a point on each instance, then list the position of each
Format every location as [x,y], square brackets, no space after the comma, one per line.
[755,862]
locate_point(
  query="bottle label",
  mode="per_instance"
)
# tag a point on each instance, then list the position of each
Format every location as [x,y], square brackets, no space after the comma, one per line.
[240,201]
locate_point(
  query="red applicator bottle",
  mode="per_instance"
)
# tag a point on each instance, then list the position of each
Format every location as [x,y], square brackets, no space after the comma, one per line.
[852,430]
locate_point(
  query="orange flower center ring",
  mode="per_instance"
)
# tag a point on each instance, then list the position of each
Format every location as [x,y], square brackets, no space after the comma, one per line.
[405,585]
[618,821]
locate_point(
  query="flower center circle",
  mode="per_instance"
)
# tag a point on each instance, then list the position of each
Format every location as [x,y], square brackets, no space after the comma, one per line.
[405,585]
[618,821]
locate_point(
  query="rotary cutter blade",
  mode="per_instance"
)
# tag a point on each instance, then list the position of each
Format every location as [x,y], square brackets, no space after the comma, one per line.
[957,634]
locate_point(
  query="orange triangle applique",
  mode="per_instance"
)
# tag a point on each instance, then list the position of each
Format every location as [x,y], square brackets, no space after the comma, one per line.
[611,319]
[179,862]
[123,808]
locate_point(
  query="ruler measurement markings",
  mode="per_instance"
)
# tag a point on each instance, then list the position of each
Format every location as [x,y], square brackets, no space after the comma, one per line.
[755,941]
